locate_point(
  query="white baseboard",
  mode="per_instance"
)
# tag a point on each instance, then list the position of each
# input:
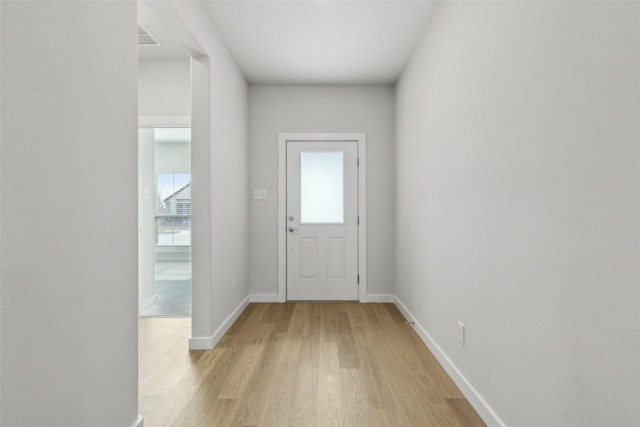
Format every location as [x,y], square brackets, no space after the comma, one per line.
[139,422]
[207,343]
[380,298]
[201,343]
[479,404]
[276,298]
[265,298]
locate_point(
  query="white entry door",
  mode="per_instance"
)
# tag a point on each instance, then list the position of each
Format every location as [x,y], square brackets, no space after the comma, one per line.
[322,220]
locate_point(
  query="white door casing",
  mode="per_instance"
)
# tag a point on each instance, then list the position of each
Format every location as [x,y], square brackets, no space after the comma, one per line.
[322,252]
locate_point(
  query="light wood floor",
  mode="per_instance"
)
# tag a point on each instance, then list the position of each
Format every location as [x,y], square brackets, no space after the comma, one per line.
[298,364]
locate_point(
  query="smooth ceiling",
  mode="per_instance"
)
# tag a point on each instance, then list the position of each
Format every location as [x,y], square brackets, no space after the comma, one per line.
[306,41]
[320,41]
[169,49]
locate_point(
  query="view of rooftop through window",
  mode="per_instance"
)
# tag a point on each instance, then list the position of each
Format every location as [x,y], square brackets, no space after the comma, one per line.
[173,209]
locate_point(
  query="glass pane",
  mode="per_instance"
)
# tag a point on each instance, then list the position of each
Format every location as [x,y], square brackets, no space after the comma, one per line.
[173,209]
[322,187]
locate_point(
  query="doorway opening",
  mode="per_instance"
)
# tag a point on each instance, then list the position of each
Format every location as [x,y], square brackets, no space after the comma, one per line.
[165,222]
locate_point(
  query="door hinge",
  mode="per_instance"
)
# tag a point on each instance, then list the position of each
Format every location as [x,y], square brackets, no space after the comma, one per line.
[358,279]
[358,162]
[358,220]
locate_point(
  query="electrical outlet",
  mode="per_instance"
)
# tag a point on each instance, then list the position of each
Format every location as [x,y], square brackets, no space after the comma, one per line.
[461,332]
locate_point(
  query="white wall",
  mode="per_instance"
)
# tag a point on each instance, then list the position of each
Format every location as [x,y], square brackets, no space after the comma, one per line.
[173,156]
[164,88]
[369,109]
[68,255]
[518,203]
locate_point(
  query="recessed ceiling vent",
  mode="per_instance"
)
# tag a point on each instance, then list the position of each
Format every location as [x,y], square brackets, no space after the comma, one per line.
[146,39]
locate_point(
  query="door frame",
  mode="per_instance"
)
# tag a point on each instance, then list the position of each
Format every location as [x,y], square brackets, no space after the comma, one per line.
[361,141]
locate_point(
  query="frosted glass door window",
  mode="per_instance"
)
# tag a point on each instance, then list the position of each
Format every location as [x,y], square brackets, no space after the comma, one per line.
[322,187]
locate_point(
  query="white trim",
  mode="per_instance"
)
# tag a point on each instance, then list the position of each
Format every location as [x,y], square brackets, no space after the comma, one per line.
[164,121]
[264,298]
[201,217]
[207,343]
[487,414]
[282,213]
[361,139]
[380,298]
[362,216]
[139,422]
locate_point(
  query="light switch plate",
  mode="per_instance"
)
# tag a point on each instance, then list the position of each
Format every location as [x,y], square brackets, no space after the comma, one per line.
[260,194]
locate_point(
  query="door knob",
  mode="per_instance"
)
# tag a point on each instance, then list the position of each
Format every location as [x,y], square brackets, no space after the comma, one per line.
[291,229]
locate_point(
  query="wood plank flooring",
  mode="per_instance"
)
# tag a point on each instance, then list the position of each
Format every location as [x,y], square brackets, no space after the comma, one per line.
[298,364]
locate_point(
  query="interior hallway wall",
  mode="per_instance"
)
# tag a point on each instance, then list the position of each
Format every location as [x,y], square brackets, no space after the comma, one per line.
[68,246]
[326,109]
[219,154]
[164,89]
[518,204]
